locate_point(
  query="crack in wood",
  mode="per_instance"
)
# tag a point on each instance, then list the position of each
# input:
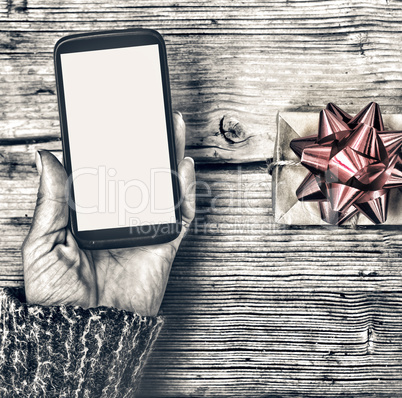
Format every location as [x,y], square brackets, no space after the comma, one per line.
[18,6]
[370,342]
[363,40]
[27,141]
[44,91]
[189,147]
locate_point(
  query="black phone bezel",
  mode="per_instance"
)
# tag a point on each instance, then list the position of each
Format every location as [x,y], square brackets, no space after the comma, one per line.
[125,236]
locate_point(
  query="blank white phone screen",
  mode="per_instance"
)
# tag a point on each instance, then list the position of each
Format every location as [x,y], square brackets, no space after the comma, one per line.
[118,138]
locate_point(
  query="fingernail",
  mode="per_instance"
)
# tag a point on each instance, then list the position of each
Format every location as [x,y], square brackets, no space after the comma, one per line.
[178,113]
[190,159]
[38,161]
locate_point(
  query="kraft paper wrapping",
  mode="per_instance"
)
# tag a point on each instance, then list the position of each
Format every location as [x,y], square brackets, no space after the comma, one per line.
[287,178]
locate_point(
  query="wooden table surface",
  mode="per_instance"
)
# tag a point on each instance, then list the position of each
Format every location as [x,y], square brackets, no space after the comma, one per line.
[253,308]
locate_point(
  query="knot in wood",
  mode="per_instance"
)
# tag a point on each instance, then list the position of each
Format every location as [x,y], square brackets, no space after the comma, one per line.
[232,129]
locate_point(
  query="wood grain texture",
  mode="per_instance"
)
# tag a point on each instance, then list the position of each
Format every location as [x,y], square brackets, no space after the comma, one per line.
[253,309]
[257,308]
[249,60]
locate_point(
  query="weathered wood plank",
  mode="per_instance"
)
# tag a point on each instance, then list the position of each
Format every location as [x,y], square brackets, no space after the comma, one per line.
[245,60]
[255,307]
[252,308]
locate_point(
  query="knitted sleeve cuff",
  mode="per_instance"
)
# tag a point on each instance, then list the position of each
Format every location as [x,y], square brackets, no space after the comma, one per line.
[67,351]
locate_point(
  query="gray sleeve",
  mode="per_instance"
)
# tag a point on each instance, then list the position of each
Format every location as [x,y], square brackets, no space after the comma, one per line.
[64,351]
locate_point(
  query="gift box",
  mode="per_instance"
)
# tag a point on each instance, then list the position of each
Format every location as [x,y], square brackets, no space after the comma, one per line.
[288,173]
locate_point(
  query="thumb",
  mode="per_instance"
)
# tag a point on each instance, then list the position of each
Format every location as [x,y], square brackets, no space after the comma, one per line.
[51,213]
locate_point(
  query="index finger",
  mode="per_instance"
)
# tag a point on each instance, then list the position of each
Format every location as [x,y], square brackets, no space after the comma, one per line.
[179,135]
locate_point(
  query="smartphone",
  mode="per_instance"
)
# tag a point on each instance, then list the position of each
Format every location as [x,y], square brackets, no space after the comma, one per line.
[118,139]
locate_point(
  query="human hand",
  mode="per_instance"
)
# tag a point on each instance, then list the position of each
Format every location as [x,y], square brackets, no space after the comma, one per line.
[57,271]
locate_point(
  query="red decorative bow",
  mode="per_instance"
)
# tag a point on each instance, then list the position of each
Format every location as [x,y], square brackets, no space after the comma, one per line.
[353,164]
